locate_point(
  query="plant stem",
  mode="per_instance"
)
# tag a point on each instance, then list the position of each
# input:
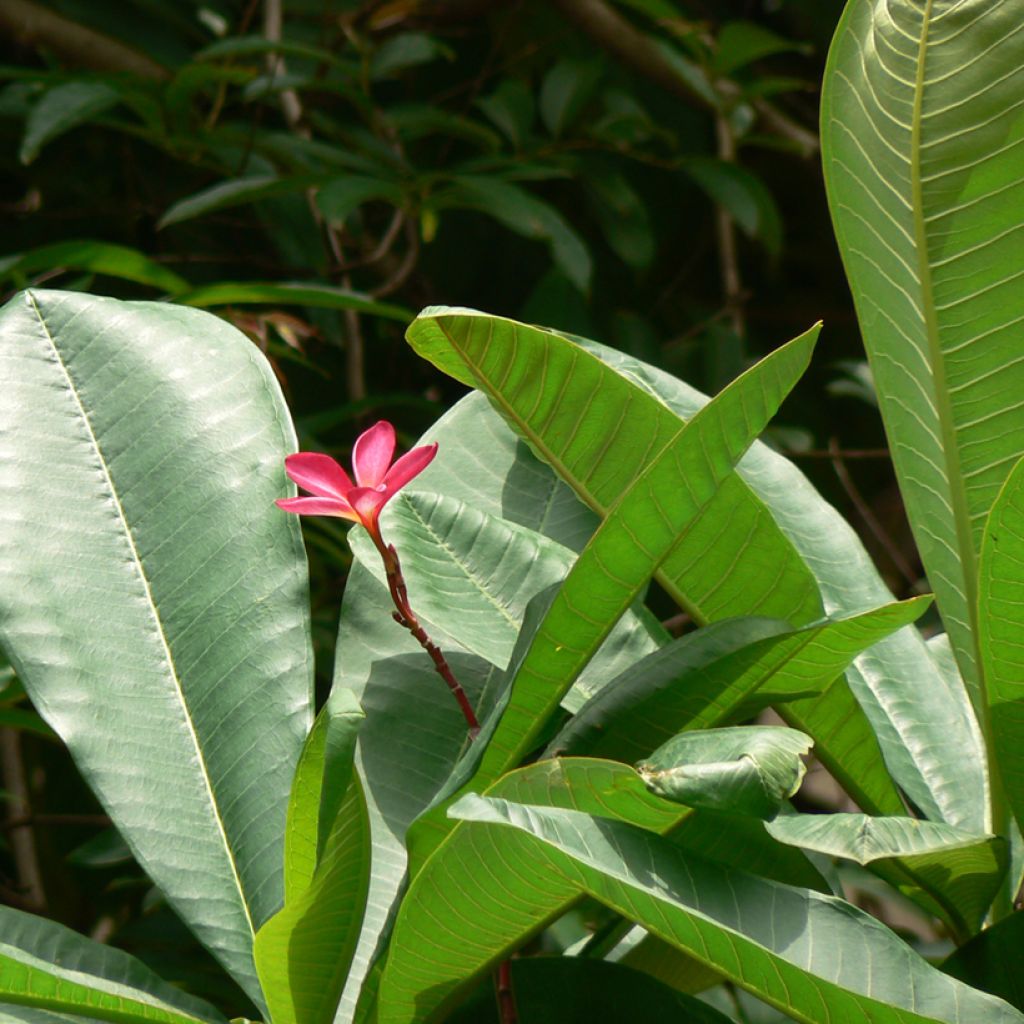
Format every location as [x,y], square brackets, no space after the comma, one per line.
[506,997]
[405,616]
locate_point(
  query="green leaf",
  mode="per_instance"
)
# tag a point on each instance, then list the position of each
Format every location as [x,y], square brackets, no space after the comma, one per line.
[303,953]
[510,108]
[565,91]
[641,530]
[741,42]
[744,769]
[961,870]
[297,293]
[97,258]
[699,573]
[700,679]
[604,788]
[743,194]
[236,192]
[62,108]
[937,758]
[322,777]
[470,577]
[46,966]
[339,197]
[621,213]
[148,573]
[775,941]
[524,214]
[409,743]
[991,960]
[921,140]
[1001,586]
[775,518]
[405,50]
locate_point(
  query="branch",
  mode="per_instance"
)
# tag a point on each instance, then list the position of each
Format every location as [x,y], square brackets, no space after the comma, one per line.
[633,48]
[77,45]
[615,34]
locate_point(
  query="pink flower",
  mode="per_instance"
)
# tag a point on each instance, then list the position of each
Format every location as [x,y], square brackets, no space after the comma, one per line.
[376,479]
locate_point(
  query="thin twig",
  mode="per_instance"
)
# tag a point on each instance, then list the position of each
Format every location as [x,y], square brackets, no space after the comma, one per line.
[405,267]
[725,228]
[405,616]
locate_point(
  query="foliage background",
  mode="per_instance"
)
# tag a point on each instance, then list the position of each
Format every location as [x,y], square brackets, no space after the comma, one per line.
[642,172]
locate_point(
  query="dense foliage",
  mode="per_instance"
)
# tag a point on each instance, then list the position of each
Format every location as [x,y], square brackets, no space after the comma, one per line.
[631,590]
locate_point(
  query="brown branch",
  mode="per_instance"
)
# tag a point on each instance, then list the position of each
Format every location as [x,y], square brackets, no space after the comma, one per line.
[631,47]
[76,45]
[869,518]
[725,229]
[23,841]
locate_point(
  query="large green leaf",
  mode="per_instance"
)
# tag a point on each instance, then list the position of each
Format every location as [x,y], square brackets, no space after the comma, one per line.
[960,870]
[154,600]
[921,133]
[603,788]
[45,966]
[304,951]
[785,554]
[781,943]
[597,448]
[700,680]
[470,576]
[679,477]
[1001,620]
[938,757]
[408,745]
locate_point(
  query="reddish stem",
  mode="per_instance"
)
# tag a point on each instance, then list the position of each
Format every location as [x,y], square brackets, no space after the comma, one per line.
[506,997]
[405,616]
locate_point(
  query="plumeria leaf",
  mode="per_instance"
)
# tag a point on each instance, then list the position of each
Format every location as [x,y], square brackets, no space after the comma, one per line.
[777,519]
[701,678]
[744,769]
[603,788]
[636,537]
[920,141]
[1000,622]
[960,870]
[777,942]
[118,530]
[47,967]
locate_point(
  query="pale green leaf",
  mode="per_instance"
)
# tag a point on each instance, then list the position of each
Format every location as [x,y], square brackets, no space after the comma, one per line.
[921,134]
[47,967]
[147,575]
[777,942]
[743,769]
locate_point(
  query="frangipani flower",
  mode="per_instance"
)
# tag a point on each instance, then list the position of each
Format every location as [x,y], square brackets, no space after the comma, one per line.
[334,493]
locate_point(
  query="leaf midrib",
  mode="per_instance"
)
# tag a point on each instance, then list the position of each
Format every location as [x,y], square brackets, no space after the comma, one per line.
[943,407]
[151,604]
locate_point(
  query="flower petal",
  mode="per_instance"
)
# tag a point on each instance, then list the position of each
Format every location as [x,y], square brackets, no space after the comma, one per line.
[372,452]
[318,507]
[367,502]
[411,464]
[318,474]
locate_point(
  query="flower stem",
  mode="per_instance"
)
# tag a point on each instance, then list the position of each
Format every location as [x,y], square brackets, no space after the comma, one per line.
[405,616]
